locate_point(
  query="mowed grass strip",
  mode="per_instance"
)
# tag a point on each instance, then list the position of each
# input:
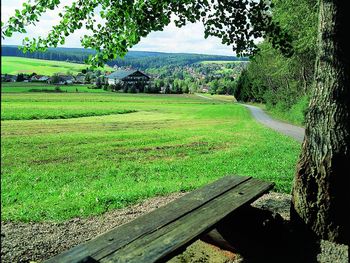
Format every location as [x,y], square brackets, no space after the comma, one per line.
[31,109]
[32,106]
[60,169]
[15,87]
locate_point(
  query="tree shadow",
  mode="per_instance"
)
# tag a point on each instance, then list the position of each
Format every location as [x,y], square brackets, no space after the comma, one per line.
[262,236]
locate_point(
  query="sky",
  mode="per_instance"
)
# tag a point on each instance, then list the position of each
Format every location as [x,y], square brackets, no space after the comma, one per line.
[188,39]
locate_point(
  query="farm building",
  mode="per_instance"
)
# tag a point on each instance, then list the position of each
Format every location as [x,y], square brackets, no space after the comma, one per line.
[39,78]
[80,78]
[127,77]
[205,89]
[66,79]
[8,78]
[61,79]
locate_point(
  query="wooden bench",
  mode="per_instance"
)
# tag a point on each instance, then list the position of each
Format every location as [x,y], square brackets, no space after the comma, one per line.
[168,229]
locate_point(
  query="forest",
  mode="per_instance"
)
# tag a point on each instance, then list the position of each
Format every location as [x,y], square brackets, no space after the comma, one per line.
[136,59]
[284,83]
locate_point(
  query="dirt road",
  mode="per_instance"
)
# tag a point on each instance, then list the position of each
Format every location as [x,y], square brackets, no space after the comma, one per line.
[282,127]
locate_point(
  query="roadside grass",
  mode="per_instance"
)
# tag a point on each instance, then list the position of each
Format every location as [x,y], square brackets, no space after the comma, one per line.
[15,87]
[295,115]
[225,98]
[53,170]
[15,65]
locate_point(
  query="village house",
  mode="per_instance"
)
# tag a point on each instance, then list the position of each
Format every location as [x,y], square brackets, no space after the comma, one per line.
[39,78]
[66,79]
[61,80]
[205,89]
[80,78]
[127,77]
[8,78]
[26,78]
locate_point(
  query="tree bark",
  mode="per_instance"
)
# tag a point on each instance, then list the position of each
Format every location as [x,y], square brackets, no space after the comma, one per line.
[321,191]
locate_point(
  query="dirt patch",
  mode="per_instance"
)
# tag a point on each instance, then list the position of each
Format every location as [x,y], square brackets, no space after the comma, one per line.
[200,251]
[192,145]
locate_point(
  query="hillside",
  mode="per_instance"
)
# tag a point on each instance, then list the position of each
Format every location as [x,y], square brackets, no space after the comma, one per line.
[15,65]
[136,59]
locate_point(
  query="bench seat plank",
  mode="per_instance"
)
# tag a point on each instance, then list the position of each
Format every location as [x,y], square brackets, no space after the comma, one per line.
[158,244]
[106,244]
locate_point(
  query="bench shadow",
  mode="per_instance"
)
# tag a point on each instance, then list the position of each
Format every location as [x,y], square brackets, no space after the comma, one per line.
[262,236]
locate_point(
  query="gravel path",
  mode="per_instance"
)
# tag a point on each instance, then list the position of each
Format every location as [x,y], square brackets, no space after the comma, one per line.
[284,128]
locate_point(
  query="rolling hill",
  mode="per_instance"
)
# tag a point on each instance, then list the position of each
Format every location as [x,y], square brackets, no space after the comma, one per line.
[137,59]
[15,65]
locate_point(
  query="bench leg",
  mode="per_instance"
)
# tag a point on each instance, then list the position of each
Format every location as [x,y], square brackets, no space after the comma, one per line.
[262,236]
[216,239]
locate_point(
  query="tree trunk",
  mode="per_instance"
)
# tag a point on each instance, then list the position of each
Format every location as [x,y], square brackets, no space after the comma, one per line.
[321,192]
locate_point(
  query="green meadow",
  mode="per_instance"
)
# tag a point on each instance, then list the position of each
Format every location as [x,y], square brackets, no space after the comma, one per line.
[15,65]
[14,87]
[55,168]
[225,98]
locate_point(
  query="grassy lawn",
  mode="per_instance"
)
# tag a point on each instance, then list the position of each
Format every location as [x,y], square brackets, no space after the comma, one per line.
[56,169]
[15,65]
[14,87]
[226,98]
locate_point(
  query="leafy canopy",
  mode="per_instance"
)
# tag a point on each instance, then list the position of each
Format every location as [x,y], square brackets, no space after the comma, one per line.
[124,22]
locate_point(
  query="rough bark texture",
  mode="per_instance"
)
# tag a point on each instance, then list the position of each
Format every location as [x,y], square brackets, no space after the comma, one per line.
[321,193]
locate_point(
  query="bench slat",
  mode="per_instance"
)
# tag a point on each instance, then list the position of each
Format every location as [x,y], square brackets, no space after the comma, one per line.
[107,243]
[158,244]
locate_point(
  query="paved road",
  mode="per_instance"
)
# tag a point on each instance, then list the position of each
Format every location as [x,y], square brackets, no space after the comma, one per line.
[284,128]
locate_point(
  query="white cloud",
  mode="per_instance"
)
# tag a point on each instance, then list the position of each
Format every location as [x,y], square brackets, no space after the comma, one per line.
[188,39]
[42,28]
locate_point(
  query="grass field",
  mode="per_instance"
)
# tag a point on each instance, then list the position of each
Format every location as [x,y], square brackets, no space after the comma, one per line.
[225,98]
[14,87]
[56,169]
[15,65]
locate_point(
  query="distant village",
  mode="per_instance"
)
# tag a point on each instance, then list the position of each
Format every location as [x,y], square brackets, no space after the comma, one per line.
[85,77]
[205,78]
[117,79]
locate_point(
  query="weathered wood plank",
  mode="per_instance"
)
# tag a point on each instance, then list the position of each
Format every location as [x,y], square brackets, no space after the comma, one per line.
[158,244]
[113,240]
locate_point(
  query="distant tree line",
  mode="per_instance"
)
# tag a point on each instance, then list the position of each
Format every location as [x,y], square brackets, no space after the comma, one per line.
[136,59]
